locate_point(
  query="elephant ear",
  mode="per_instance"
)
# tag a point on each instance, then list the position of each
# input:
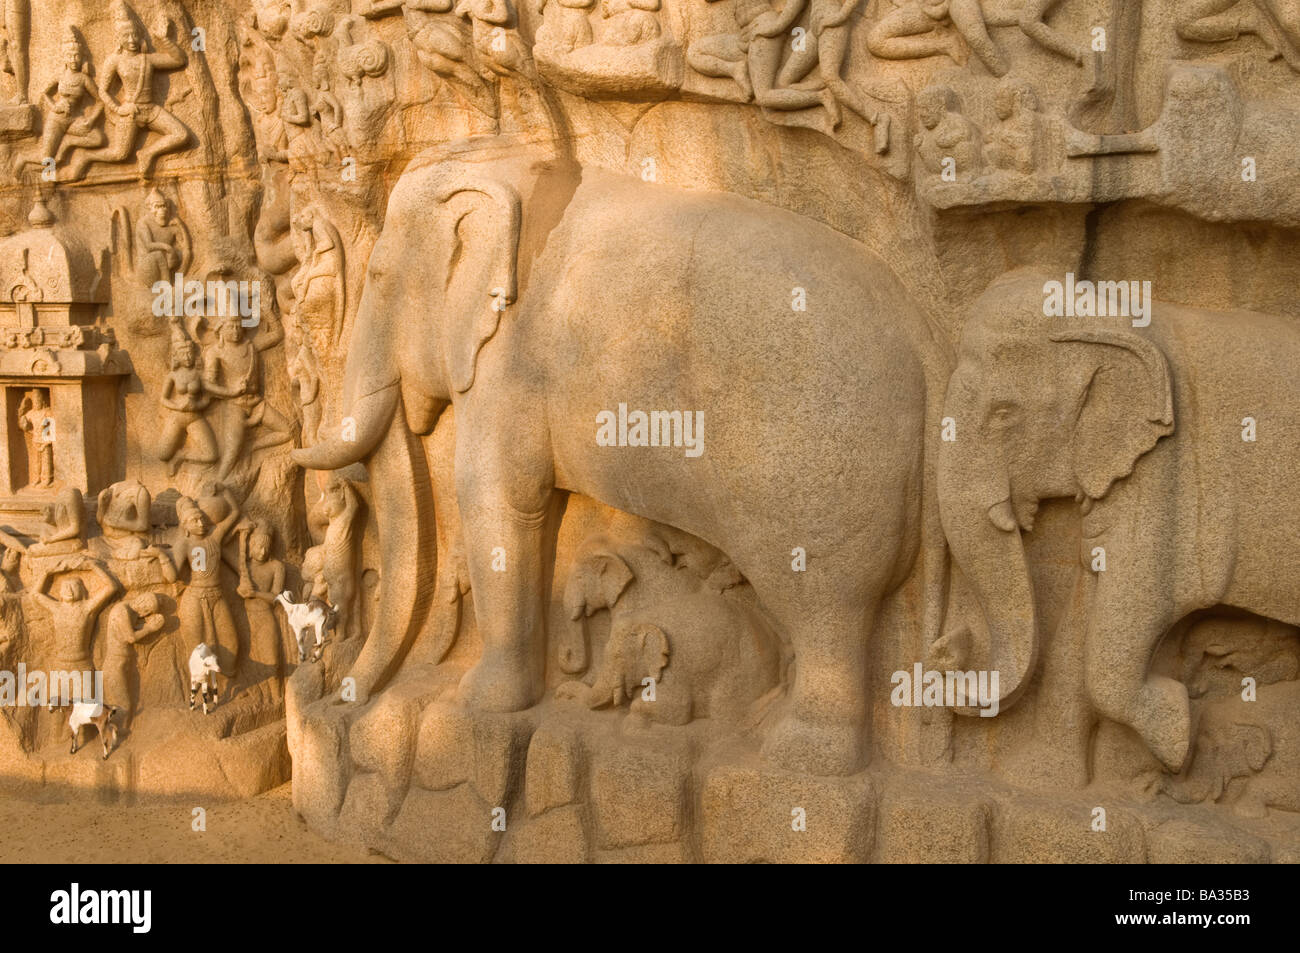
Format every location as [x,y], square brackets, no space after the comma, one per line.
[653,646]
[481,281]
[597,583]
[1124,405]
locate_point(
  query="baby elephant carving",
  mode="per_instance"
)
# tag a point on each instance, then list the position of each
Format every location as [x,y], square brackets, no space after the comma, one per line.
[678,647]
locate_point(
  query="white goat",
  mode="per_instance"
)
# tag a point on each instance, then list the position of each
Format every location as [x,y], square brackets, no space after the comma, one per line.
[313,614]
[203,669]
[99,715]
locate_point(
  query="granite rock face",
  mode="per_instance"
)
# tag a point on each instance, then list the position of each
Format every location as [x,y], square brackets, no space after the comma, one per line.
[660,430]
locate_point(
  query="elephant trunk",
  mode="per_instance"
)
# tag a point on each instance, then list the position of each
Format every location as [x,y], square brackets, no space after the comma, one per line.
[984,536]
[360,432]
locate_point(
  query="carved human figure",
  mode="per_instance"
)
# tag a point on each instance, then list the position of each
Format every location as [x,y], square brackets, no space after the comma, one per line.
[913,31]
[162,241]
[73,107]
[630,22]
[185,400]
[232,370]
[74,611]
[304,373]
[442,41]
[339,557]
[123,516]
[130,621]
[752,55]
[319,291]
[1219,21]
[1017,142]
[948,140]
[132,67]
[13,46]
[203,611]
[325,106]
[565,27]
[261,579]
[34,418]
[65,520]
[495,30]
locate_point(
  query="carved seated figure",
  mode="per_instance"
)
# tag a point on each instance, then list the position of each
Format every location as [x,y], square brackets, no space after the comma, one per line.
[162,242]
[1017,142]
[948,140]
[123,516]
[66,519]
[719,661]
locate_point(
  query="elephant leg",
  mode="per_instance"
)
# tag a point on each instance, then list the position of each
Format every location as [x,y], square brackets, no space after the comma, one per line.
[506,568]
[1117,655]
[407,555]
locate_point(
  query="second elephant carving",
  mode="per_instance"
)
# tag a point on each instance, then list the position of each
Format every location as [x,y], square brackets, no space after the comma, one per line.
[1180,441]
[557,315]
[678,648]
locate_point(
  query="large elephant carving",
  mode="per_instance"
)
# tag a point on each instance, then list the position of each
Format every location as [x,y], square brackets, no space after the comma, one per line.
[533,295]
[1189,504]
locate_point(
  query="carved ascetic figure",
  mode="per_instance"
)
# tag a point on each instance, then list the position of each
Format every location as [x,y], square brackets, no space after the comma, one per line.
[232,370]
[132,67]
[304,371]
[123,516]
[1017,143]
[75,610]
[162,243]
[912,31]
[185,399]
[719,660]
[948,142]
[34,419]
[1144,426]
[319,291]
[498,354]
[203,610]
[261,579]
[73,107]
[130,621]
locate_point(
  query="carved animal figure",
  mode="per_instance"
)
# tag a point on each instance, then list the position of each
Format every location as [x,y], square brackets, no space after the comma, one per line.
[677,649]
[203,671]
[483,250]
[99,715]
[1153,430]
[314,614]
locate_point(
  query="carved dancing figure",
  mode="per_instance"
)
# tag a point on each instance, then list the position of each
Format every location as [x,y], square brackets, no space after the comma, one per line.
[232,370]
[67,125]
[133,67]
[186,399]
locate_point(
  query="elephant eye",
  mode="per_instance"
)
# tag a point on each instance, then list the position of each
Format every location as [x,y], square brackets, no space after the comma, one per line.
[1003,413]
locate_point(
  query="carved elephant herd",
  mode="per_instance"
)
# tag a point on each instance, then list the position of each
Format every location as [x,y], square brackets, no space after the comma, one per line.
[532,294]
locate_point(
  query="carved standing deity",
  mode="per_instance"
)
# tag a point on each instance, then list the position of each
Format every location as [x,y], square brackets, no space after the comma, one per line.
[203,610]
[34,418]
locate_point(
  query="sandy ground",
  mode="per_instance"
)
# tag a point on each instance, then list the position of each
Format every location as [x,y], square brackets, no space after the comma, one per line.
[262,830]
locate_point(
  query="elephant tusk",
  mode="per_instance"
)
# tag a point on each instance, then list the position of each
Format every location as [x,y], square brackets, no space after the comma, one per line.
[1002,516]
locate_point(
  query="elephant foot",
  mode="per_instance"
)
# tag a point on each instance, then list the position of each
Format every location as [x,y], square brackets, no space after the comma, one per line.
[1164,721]
[814,747]
[494,685]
